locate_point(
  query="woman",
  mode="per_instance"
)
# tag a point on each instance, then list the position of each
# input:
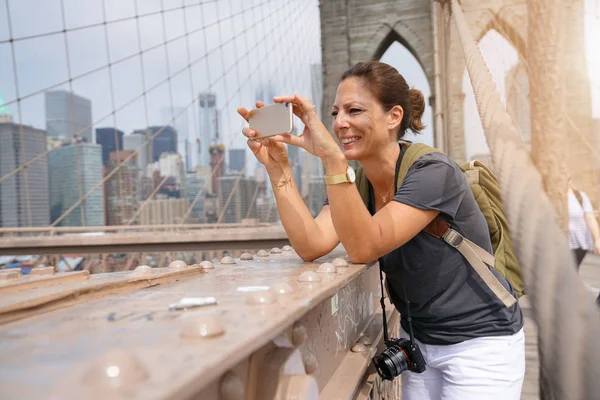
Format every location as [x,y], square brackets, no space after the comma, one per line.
[473,345]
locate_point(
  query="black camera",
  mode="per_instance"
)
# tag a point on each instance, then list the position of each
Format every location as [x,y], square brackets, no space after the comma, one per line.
[400,355]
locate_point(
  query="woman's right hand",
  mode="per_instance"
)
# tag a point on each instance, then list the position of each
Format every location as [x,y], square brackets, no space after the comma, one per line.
[268,152]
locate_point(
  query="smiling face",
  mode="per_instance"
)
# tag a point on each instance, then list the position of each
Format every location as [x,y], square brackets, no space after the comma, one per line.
[360,124]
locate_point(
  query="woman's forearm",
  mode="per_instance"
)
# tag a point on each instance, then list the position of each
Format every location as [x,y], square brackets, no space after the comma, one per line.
[353,223]
[298,222]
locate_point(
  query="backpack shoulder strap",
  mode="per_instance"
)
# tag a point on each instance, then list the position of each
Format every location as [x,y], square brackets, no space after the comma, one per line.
[412,154]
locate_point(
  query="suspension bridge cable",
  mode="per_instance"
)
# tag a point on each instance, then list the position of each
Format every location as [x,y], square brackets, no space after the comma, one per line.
[120,108]
[564,311]
[128,158]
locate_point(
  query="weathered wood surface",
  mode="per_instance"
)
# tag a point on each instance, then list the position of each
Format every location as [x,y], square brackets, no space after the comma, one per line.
[55,354]
[34,296]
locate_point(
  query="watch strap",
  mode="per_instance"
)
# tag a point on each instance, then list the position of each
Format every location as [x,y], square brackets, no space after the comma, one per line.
[335,179]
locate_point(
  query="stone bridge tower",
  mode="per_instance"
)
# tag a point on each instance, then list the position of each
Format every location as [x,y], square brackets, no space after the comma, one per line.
[358,30]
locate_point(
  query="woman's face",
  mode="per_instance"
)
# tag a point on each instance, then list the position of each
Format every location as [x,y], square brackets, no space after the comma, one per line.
[359,122]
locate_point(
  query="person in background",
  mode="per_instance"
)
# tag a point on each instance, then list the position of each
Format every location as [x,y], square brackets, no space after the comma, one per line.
[584,233]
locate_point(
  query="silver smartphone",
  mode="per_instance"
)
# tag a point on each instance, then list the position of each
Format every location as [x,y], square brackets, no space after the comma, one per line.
[274,119]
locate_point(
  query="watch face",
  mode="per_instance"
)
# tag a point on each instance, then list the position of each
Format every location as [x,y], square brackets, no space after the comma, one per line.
[350,174]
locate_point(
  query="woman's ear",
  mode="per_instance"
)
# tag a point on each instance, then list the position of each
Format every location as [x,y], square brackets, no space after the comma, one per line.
[395,116]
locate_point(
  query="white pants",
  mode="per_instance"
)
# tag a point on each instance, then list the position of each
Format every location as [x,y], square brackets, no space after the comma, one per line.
[483,368]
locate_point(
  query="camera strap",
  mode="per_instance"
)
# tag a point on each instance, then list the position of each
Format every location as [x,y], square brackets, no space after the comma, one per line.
[382,299]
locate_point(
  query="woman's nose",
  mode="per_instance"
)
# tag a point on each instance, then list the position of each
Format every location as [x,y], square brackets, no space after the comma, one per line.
[340,122]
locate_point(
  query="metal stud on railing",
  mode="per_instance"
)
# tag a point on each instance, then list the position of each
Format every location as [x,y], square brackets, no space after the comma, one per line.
[202,327]
[262,253]
[286,248]
[310,362]
[207,265]
[141,270]
[275,250]
[282,288]
[246,257]
[261,297]
[228,260]
[232,387]
[365,340]
[340,263]
[359,348]
[299,334]
[327,268]
[178,265]
[115,369]
[309,276]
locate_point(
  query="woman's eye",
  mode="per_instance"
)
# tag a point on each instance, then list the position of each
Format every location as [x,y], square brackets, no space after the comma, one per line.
[355,110]
[334,114]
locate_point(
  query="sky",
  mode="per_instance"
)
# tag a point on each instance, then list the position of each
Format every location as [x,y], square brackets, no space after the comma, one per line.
[247,46]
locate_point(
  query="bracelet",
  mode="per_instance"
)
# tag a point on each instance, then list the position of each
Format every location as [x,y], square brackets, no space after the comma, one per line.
[282,184]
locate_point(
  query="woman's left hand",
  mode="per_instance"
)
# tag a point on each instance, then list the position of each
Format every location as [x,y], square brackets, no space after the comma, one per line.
[315,138]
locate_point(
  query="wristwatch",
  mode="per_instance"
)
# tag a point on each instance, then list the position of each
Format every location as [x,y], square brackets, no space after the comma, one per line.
[349,176]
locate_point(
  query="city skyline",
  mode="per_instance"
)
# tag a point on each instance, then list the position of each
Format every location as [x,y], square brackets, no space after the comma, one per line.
[210,69]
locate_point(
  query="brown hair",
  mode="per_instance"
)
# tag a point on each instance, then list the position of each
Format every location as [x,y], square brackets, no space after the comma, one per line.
[390,89]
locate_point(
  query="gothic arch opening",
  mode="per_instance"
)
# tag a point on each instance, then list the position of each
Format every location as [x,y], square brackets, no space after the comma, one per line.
[400,57]
[500,25]
[510,75]
[394,37]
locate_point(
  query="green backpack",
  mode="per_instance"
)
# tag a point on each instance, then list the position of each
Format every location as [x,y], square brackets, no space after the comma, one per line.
[487,194]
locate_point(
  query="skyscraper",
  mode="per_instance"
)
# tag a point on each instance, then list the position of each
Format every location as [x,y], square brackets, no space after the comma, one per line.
[217,163]
[164,142]
[170,165]
[74,171]
[196,192]
[237,160]
[105,137]
[135,141]
[236,198]
[121,189]
[177,117]
[67,114]
[187,149]
[208,122]
[23,196]
[164,211]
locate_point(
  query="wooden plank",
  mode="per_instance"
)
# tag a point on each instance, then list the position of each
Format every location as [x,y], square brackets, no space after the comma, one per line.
[40,301]
[31,282]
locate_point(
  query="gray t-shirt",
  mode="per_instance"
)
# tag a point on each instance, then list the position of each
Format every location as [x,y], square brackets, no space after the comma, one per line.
[449,303]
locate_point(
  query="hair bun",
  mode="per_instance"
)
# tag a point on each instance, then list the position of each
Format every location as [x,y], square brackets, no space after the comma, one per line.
[417,108]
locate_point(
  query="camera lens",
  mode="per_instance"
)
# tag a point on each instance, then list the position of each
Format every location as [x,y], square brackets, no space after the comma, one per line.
[391,362]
